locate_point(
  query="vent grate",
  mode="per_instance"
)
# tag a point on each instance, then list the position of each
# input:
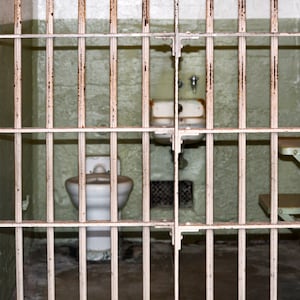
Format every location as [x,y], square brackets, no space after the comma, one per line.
[162,193]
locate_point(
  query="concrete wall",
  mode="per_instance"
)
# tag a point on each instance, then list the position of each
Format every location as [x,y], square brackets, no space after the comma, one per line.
[129,104]
[188,9]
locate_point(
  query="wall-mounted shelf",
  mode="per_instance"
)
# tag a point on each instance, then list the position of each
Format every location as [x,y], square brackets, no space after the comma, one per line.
[290,146]
[288,205]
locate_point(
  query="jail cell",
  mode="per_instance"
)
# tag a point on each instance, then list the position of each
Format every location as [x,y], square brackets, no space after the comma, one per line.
[149,150]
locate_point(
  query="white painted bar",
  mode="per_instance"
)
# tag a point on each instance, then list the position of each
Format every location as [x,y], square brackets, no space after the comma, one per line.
[184,227]
[160,35]
[242,55]
[176,145]
[168,130]
[146,147]
[81,150]
[18,147]
[274,150]
[114,148]
[49,150]
[209,150]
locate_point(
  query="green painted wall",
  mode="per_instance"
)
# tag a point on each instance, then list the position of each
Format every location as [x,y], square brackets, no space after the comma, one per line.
[162,75]
[7,237]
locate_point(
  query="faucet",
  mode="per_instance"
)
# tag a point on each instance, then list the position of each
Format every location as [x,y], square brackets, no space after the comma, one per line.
[194,79]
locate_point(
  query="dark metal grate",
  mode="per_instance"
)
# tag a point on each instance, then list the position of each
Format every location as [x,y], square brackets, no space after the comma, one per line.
[162,193]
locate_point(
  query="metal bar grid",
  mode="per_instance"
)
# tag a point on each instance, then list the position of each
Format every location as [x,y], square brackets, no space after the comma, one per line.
[177,228]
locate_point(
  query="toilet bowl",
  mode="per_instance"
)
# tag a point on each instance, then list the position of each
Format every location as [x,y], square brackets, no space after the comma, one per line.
[98,203]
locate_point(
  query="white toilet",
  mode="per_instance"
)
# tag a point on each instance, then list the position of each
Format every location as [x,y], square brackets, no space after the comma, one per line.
[98,202]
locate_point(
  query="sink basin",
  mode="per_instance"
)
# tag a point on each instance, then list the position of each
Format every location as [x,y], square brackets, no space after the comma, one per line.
[191,115]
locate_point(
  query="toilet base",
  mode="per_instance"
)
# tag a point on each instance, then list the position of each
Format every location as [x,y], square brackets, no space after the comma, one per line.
[98,243]
[94,255]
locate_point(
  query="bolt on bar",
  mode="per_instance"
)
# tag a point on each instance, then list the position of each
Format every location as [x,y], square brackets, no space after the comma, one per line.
[274,150]
[209,150]
[18,147]
[49,150]
[81,150]
[242,150]
[146,146]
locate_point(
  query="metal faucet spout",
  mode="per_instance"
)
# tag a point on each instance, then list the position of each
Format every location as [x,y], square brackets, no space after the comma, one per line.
[194,80]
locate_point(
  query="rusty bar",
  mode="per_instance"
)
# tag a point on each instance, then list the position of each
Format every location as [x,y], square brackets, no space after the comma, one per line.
[209,150]
[242,55]
[159,35]
[146,146]
[184,227]
[81,149]
[49,149]
[114,147]
[274,150]
[18,147]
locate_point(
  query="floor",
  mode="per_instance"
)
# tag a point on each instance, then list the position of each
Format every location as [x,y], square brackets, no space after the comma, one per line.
[192,271]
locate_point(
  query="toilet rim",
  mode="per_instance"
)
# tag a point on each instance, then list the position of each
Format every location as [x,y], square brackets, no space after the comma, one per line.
[100,179]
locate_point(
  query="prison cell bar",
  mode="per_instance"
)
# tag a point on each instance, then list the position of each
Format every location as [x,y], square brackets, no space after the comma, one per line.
[146,147]
[209,150]
[274,149]
[242,150]
[165,130]
[18,146]
[161,35]
[176,145]
[81,150]
[114,147]
[184,227]
[49,149]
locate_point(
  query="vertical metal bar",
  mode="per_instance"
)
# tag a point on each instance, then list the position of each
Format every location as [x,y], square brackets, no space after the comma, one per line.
[242,152]
[209,150]
[18,147]
[146,147]
[49,151]
[176,150]
[81,149]
[274,150]
[114,147]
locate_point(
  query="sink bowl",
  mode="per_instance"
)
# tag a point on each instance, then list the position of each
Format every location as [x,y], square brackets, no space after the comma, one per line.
[191,116]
